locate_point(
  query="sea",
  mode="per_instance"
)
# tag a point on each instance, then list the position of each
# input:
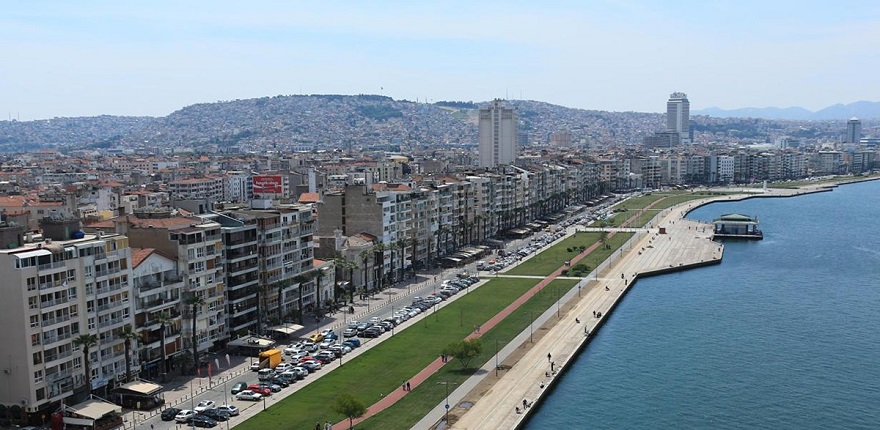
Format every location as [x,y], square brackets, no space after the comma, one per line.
[783,334]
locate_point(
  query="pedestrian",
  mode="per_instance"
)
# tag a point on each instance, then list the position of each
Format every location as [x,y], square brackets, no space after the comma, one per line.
[548,357]
[403,386]
[552,366]
[408,388]
[577,320]
[317,425]
[525,404]
[586,332]
[328,426]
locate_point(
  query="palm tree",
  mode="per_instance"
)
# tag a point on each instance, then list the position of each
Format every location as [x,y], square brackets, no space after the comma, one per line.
[317,275]
[379,249]
[298,279]
[364,255]
[86,341]
[342,265]
[128,335]
[281,286]
[164,320]
[195,302]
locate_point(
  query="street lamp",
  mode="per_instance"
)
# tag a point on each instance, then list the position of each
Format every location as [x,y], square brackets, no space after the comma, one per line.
[446,383]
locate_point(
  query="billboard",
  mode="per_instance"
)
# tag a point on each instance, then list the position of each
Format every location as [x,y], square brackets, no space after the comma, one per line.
[268,184]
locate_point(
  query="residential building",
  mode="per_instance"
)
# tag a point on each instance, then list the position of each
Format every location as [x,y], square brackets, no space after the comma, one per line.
[498,126]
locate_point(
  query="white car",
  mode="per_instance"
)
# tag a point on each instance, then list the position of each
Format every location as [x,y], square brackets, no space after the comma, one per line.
[205,405]
[283,367]
[248,395]
[184,416]
[232,410]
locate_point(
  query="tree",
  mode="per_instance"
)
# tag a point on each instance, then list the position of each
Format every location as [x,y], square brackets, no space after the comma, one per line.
[194,301]
[318,275]
[349,406]
[128,335]
[364,255]
[86,341]
[164,320]
[464,351]
[298,279]
[342,265]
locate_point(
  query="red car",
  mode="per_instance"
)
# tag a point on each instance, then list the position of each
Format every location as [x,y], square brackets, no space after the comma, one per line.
[257,388]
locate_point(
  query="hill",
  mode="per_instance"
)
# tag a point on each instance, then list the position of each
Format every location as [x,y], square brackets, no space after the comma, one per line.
[860,109]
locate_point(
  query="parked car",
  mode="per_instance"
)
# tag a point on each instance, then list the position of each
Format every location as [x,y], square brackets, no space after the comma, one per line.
[350,332]
[266,374]
[184,415]
[273,388]
[205,405]
[328,332]
[203,421]
[255,366]
[282,367]
[353,342]
[316,338]
[302,371]
[169,414]
[215,414]
[312,365]
[260,389]
[291,375]
[374,331]
[249,395]
[232,410]
[239,387]
[325,357]
[280,381]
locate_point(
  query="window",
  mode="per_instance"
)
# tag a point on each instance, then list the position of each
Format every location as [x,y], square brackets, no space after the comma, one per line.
[87,271]
[91,324]
[71,275]
[35,321]
[38,357]
[31,284]
[35,339]
[38,376]
[41,394]
[33,302]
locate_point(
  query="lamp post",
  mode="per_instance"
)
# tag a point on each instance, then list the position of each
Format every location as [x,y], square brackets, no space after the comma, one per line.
[446,383]
[531,326]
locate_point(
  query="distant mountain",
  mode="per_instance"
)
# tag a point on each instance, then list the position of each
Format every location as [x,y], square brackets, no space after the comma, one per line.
[860,109]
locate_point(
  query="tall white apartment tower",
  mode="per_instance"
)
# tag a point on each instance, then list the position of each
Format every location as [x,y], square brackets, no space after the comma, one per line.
[498,134]
[853,130]
[678,116]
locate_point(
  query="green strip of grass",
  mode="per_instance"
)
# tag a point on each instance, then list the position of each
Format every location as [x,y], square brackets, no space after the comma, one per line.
[383,368]
[548,260]
[409,410]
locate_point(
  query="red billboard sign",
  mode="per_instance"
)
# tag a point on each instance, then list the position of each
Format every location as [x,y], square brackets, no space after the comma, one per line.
[267,184]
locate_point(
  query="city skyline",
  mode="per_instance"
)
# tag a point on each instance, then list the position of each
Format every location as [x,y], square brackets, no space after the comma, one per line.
[152,59]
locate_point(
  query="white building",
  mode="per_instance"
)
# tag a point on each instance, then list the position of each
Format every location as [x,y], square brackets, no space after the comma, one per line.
[498,127]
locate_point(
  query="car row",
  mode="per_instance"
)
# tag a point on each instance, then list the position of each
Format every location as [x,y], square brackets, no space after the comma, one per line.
[205,414]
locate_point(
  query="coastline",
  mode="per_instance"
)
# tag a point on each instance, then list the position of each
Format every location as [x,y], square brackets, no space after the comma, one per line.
[490,402]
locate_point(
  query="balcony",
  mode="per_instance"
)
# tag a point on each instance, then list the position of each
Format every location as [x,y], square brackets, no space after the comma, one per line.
[111,322]
[111,305]
[58,356]
[52,265]
[48,340]
[57,320]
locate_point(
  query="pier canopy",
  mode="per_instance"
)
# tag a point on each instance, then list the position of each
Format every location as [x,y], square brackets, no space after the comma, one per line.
[736,225]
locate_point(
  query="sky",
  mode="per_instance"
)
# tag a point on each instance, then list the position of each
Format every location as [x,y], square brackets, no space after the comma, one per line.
[84,58]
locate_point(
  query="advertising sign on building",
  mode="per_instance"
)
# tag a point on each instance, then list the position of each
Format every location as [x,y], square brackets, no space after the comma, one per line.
[268,184]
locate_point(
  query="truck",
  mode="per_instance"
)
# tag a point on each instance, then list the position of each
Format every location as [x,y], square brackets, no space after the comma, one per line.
[270,358]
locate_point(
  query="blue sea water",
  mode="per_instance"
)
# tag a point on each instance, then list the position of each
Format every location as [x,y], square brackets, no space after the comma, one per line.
[783,334]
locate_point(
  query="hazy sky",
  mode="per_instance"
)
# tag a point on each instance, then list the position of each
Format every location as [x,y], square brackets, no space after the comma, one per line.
[154,57]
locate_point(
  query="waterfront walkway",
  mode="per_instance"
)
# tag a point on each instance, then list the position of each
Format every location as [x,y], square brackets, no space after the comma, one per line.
[492,401]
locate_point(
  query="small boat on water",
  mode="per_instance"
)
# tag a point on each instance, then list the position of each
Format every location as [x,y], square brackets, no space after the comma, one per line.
[737,226]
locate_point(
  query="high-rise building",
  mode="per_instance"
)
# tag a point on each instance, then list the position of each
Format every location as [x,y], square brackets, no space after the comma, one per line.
[678,116]
[853,130]
[498,134]
[55,292]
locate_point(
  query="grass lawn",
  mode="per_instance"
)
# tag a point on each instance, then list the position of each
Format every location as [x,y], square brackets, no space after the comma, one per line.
[408,411]
[548,260]
[383,368]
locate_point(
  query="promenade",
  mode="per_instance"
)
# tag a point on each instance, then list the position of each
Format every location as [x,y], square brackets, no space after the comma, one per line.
[487,401]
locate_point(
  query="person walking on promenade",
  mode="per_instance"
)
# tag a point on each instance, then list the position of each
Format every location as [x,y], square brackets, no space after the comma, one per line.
[548,357]
[408,388]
